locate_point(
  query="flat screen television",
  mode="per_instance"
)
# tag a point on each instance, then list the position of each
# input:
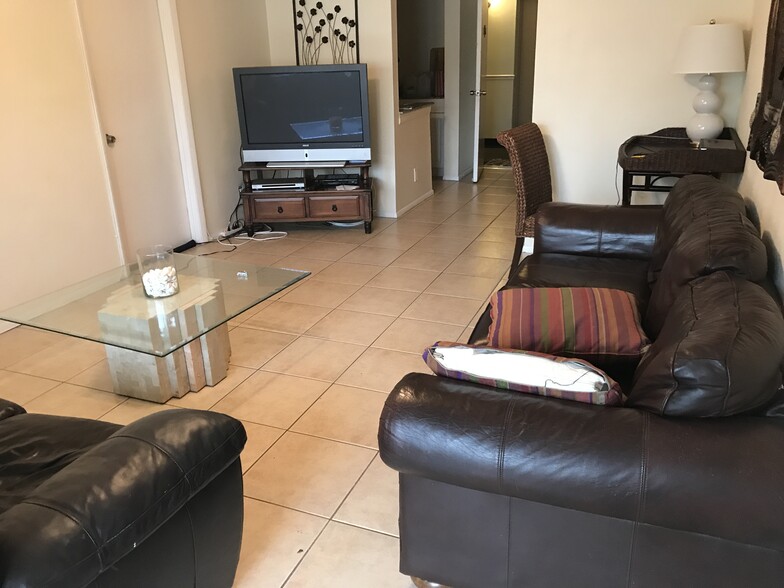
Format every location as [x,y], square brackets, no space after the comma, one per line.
[303,114]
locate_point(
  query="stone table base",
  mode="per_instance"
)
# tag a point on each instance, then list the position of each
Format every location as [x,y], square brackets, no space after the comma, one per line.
[203,361]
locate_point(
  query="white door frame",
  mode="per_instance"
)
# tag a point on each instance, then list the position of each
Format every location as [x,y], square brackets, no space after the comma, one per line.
[183,121]
[481,67]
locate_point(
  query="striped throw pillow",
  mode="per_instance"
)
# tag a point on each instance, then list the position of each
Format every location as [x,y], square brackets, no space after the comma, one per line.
[524,371]
[594,323]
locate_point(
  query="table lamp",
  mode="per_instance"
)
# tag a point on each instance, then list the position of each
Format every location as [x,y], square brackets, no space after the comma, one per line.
[709,49]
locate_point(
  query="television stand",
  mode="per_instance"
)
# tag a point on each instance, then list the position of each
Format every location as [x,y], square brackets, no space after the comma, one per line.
[305,164]
[313,203]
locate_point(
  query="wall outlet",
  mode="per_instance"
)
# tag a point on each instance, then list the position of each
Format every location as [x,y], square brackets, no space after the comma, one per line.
[415,174]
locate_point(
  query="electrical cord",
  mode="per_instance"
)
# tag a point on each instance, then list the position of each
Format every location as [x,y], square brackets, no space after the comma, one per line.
[220,241]
[270,235]
[618,192]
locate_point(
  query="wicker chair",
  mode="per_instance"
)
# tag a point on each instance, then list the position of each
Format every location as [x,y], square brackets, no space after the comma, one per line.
[531,168]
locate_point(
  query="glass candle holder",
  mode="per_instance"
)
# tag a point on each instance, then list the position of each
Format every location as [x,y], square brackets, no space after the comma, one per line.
[159,275]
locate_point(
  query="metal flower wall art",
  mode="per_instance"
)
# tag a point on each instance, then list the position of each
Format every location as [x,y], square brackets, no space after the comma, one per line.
[325,34]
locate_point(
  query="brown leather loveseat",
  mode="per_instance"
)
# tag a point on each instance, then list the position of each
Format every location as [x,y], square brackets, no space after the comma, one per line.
[682,486]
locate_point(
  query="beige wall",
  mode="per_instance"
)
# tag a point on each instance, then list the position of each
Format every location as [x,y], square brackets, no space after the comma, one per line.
[56,223]
[499,82]
[377,42]
[526,59]
[216,36]
[604,73]
[763,195]
[414,181]
[501,20]
[467,106]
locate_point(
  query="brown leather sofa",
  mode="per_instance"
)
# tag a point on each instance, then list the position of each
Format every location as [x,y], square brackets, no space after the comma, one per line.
[502,489]
[156,503]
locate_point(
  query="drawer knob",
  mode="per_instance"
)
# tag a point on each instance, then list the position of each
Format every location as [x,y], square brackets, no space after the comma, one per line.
[334,208]
[280,210]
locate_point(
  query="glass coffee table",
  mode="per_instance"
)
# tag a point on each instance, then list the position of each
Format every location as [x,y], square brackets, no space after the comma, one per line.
[159,348]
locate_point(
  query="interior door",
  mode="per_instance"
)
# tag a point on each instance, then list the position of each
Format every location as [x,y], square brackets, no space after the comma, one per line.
[479,90]
[130,82]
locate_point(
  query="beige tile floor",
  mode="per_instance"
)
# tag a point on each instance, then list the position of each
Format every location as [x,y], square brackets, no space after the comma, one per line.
[309,374]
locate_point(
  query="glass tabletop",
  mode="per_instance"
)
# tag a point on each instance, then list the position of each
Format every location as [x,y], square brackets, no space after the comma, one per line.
[111,308]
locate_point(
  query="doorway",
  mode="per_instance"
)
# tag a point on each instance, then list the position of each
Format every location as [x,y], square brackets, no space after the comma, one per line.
[452,25]
[508,81]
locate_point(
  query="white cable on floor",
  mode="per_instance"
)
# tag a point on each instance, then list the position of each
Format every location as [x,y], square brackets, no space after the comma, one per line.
[271,236]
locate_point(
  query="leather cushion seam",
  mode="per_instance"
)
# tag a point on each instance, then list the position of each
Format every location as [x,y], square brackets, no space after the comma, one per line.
[502,445]
[730,347]
[641,493]
[95,553]
[183,478]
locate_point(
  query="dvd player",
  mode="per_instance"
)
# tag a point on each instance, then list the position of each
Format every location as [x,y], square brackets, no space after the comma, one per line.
[338,180]
[277,184]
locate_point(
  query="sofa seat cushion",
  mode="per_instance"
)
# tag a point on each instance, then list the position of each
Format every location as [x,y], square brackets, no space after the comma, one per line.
[719,352]
[524,371]
[590,323]
[557,270]
[714,241]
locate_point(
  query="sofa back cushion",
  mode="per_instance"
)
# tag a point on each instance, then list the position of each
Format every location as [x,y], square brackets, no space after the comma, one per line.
[719,352]
[689,199]
[715,240]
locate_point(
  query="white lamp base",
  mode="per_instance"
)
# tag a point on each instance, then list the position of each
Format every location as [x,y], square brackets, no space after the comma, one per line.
[706,123]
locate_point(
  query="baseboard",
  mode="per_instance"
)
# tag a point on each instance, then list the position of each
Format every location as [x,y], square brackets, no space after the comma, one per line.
[459,177]
[4,326]
[419,200]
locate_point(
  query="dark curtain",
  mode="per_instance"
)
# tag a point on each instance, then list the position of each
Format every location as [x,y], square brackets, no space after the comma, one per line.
[765,143]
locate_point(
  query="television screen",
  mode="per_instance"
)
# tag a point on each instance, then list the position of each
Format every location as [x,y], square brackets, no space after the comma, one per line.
[286,111]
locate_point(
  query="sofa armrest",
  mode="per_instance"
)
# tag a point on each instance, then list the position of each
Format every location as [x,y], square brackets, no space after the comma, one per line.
[581,229]
[9,409]
[686,474]
[96,510]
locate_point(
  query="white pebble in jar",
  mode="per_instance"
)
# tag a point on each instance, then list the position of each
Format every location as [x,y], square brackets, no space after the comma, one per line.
[160,282]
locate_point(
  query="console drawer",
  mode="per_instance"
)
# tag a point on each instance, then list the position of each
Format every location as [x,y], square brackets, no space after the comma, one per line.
[334,206]
[271,208]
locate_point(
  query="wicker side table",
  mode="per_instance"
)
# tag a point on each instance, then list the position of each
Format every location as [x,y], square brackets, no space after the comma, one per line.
[668,153]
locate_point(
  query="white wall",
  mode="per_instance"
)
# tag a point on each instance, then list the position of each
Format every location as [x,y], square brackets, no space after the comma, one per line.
[56,223]
[377,45]
[762,195]
[216,36]
[604,73]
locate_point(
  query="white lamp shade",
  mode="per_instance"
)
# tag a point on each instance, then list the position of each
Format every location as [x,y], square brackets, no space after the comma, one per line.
[711,48]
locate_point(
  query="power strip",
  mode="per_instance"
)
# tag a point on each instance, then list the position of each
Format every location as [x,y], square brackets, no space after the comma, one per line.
[227,234]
